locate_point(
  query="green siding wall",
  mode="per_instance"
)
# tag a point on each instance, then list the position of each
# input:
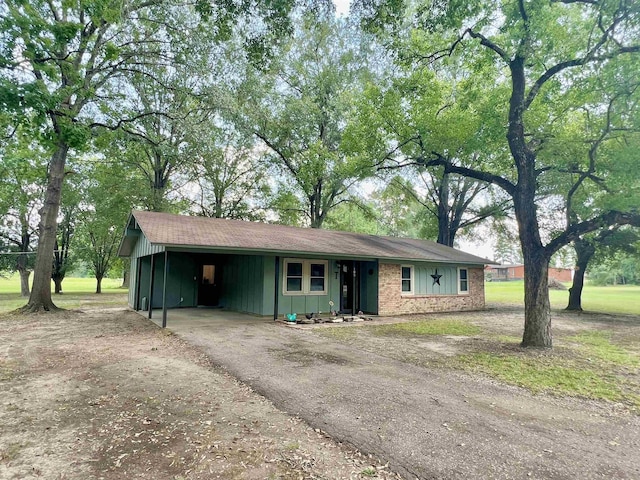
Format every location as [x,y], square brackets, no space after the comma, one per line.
[133,281]
[144,277]
[242,288]
[143,248]
[369,287]
[424,283]
[181,286]
[301,304]
[247,284]
[268,284]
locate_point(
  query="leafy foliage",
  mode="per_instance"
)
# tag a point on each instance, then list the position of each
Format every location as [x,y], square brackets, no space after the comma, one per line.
[299,111]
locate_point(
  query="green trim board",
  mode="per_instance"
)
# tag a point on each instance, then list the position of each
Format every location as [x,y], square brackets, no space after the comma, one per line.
[301,254]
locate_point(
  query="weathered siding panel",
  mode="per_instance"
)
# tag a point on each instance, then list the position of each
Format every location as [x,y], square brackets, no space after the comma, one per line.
[144,248]
[241,288]
[369,287]
[426,285]
[133,281]
[268,284]
[182,282]
[144,278]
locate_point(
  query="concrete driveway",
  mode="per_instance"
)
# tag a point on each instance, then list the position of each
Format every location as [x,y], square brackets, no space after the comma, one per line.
[426,423]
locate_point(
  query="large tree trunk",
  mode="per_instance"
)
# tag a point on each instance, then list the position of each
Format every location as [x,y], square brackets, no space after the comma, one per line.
[40,298]
[125,278]
[24,282]
[584,251]
[444,230]
[537,309]
[98,284]
[315,204]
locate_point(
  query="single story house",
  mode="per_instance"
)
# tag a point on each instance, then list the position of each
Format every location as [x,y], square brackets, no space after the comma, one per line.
[272,270]
[502,273]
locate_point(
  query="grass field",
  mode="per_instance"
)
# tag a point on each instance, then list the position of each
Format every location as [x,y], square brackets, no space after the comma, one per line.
[623,299]
[77,292]
[613,299]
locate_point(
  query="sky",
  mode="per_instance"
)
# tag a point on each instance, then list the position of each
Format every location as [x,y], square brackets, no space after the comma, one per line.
[342,7]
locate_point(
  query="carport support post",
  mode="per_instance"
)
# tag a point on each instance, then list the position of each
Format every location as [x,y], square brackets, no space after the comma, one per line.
[275,295]
[153,268]
[164,290]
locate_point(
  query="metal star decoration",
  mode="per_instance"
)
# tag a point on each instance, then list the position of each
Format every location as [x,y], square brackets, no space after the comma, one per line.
[436,278]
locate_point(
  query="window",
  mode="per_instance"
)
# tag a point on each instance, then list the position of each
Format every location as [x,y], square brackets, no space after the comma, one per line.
[317,277]
[305,277]
[407,279]
[208,274]
[463,280]
[294,276]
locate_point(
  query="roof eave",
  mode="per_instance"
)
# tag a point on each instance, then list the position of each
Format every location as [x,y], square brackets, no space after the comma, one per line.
[124,237]
[322,254]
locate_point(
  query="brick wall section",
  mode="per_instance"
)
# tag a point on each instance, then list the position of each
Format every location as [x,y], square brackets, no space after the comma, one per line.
[391,302]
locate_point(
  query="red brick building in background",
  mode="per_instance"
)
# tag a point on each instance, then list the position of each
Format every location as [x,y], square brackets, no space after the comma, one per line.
[503,273]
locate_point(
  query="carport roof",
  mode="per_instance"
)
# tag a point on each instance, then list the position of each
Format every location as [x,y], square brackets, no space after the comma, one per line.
[197,233]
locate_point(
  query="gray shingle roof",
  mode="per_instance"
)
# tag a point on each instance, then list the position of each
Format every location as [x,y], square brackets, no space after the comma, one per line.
[222,234]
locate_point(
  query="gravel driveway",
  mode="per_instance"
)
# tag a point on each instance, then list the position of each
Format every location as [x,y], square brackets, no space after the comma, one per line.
[427,423]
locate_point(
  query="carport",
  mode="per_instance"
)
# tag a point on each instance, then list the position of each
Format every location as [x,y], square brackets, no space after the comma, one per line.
[189,319]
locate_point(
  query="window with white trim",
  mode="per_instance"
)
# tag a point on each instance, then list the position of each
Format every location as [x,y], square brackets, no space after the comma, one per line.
[293,276]
[317,277]
[304,277]
[463,280]
[407,279]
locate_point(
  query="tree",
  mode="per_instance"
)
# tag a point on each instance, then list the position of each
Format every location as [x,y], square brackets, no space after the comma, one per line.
[67,55]
[65,61]
[230,173]
[155,141]
[620,268]
[70,210]
[506,248]
[354,217]
[299,111]
[602,245]
[543,51]
[456,203]
[397,210]
[22,177]
[415,114]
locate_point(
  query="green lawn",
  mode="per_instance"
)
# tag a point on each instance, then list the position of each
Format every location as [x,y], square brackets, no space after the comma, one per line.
[619,299]
[77,292]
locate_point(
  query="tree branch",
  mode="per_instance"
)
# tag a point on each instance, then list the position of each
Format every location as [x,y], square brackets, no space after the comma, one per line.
[576,230]
[489,44]
[439,160]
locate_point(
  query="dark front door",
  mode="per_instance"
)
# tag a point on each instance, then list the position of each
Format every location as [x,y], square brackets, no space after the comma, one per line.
[208,291]
[349,281]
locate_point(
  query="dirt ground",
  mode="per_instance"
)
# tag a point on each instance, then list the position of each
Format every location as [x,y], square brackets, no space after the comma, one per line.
[429,422]
[104,394]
